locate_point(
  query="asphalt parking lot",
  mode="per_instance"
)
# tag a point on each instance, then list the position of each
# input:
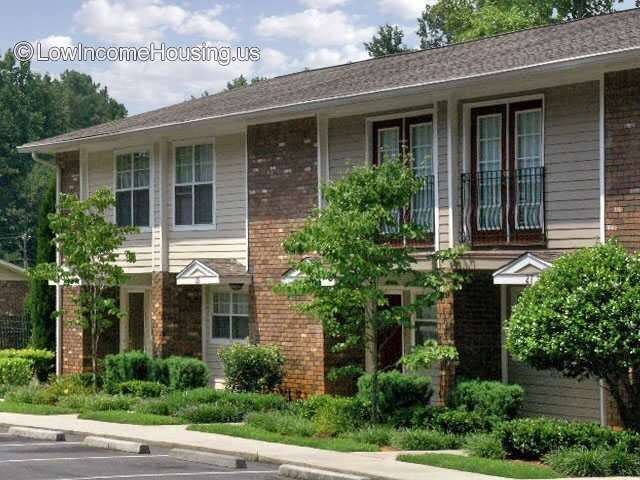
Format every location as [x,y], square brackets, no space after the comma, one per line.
[27,459]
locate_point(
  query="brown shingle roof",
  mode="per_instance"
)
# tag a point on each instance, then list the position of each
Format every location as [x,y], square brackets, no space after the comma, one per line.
[518,50]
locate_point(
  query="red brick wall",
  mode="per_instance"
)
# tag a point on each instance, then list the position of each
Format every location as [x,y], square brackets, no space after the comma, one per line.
[282,182]
[13,294]
[477,327]
[446,336]
[176,317]
[622,153]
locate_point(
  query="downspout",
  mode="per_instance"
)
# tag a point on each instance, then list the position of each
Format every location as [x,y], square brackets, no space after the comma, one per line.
[50,162]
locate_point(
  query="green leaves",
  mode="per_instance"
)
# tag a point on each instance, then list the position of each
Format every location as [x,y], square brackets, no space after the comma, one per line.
[427,355]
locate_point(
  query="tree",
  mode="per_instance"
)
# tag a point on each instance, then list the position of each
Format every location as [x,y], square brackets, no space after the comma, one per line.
[88,242]
[41,303]
[34,106]
[387,41]
[582,318]
[345,260]
[241,81]
[449,21]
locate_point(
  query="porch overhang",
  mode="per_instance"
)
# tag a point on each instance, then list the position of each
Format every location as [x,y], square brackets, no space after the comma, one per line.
[524,270]
[214,272]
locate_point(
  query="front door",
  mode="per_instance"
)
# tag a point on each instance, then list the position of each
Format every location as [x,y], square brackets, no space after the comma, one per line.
[390,339]
[136,321]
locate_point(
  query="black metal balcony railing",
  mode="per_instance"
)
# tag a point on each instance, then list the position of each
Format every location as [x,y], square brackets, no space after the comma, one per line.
[503,207]
[422,211]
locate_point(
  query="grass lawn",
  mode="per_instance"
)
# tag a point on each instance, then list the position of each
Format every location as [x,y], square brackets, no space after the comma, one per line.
[498,468]
[33,409]
[122,416]
[247,431]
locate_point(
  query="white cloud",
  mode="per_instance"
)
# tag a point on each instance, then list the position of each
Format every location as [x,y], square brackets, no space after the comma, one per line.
[323,4]
[145,86]
[142,21]
[325,57]
[60,41]
[315,28]
[406,9]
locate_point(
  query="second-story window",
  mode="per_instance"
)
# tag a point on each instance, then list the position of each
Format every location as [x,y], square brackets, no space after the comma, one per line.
[416,135]
[194,185]
[132,189]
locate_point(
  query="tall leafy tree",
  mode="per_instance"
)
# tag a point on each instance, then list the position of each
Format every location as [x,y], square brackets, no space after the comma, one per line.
[387,41]
[449,21]
[347,258]
[34,106]
[41,303]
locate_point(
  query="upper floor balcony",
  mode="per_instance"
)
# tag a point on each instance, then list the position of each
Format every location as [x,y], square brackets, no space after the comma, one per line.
[503,208]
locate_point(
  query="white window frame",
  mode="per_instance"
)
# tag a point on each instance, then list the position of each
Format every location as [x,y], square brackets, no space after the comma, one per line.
[228,340]
[193,143]
[415,321]
[400,141]
[410,146]
[151,187]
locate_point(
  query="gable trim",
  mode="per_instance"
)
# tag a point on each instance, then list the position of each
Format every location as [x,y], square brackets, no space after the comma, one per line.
[512,273]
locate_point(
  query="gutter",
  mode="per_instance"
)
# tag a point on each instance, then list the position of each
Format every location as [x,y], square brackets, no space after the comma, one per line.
[312,104]
[50,162]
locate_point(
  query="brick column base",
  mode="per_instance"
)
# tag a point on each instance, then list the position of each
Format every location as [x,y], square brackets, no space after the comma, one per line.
[176,317]
[76,342]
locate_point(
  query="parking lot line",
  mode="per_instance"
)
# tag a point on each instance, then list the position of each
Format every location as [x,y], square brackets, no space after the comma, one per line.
[37,444]
[165,475]
[67,459]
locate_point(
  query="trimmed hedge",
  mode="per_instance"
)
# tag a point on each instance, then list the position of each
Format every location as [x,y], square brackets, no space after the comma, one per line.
[15,371]
[186,373]
[532,438]
[396,391]
[43,361]
[252,368]
[124,367]
[488,398]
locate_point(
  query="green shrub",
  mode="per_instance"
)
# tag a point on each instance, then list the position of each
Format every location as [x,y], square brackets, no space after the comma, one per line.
[485,445]
[252,368]
[579,462]
[186,373]
[123,367]
[379,435]
[32,394]
[415,439]
[155,406]
[395,391]
[532,438]
[219,412]
[15,371]
[461,422]
[338,415]
[283,423]
[97,402]
[488,398]
[257,402]
[76,384]
[43,361]
[623,463]
[141,388]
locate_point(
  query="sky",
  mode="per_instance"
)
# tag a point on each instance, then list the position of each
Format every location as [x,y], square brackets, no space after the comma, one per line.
[291,35]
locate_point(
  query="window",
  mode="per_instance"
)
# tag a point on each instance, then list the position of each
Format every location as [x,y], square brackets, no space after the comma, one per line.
[132,189]
[421,145]
[489,172]
[389,137]
[194,188]
[426,324]
[528,161]
[230,317]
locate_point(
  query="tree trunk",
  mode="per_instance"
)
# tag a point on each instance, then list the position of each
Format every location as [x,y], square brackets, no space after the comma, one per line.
[626,394]
[375,352]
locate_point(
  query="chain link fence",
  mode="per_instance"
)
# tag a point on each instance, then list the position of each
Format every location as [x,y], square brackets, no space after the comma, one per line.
[15,331]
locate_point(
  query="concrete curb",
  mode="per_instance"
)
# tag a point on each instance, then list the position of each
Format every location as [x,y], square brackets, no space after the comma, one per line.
[114,444]
[304,473]
[37,433]
[217,459]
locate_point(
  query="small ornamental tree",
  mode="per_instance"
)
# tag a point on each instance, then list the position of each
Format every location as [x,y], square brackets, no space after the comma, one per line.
[582,318]
[88,242]
[346,256]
